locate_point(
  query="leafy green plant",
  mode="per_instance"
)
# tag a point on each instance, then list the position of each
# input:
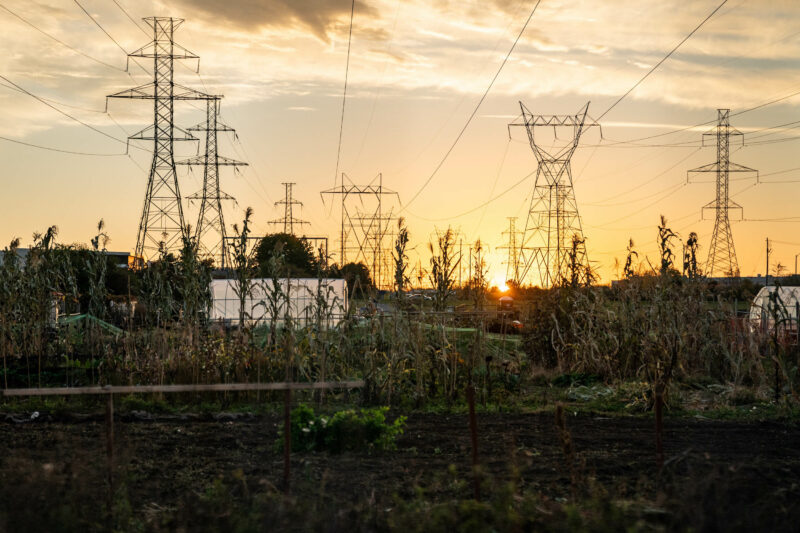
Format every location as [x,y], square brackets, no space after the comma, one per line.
[348,430]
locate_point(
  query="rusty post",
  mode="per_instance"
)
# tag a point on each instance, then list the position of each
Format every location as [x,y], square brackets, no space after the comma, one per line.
[473,430]
[287,438]
[659,405]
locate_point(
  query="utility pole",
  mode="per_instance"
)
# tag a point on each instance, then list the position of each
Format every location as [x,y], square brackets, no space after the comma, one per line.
[460,264]
[766,276]
[469,280]
[553,219]
[210,231]
[288,221]
[722,254]
[162,223]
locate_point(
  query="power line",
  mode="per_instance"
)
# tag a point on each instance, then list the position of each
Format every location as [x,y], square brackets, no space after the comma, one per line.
[101,27]
[344,92]
[474,111]
[472,210]
[59,41]
[57,102]
[130,18]
[629,91]
[107,34]
[706,123]
[51,106]
[59,150]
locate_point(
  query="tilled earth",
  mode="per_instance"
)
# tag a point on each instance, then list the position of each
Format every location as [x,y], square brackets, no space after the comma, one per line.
[718,475]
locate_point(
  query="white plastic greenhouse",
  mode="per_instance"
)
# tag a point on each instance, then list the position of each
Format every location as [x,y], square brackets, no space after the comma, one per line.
[784,304]
[303,301]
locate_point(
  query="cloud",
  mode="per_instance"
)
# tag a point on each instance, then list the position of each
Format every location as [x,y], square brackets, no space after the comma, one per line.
[318,16]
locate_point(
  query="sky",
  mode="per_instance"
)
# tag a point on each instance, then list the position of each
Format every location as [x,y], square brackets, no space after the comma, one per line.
[417,71]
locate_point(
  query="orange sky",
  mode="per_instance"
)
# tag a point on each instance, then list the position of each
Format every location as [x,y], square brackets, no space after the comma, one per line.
[417,70]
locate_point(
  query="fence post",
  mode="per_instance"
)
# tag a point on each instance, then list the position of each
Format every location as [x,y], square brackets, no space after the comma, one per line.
[473,430]
[287,438]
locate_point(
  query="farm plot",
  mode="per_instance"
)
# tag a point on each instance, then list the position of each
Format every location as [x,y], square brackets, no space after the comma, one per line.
[192,471]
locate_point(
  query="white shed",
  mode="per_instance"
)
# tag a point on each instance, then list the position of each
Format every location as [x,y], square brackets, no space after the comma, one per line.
[302,296]
[787,300]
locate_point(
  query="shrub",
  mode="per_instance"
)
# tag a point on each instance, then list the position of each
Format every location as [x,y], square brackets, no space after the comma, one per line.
[349,430]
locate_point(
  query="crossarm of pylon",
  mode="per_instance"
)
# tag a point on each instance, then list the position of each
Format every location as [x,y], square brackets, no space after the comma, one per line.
[181,92]
[147,134]
[149,50]
[199,196]
[203,126]
[731,205]
[711,167]
[146,91]
[222,161]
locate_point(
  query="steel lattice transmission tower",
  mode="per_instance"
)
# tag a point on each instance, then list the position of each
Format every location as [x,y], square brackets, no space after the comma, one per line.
[553,219]
[722,254]
[512,262]
[162,215]
[364,232]
[288,202]
[210,230]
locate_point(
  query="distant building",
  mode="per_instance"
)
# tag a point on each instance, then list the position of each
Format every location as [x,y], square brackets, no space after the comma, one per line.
[303,298]
[121,259]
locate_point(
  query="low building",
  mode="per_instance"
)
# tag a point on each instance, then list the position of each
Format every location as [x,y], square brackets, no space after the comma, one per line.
[309,300]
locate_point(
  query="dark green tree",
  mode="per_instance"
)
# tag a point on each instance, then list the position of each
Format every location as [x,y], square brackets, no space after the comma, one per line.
[297,253]
[354,274]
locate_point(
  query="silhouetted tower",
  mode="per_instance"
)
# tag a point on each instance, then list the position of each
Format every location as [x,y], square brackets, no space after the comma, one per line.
[210,230]
[512,262]
[363,233]
[553,218]
[722,254]
[288,202]
[162,214]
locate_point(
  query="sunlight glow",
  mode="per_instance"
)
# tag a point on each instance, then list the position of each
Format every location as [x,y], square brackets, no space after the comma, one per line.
[500,283]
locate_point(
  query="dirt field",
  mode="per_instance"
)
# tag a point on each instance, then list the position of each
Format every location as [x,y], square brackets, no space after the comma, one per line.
[719,475]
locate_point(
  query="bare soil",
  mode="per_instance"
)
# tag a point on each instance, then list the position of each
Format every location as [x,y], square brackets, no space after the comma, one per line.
[719,475]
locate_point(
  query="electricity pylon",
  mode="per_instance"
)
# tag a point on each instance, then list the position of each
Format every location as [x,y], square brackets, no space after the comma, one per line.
[210,230]
[363,233]
[162,214]
[722,254]
[512,262]
[552,240]
[288,202]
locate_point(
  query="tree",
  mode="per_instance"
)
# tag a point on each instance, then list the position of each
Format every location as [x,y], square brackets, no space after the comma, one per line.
[297,253]
[355,273]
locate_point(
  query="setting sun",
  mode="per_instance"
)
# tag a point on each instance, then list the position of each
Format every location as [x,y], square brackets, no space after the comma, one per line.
[500,283]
